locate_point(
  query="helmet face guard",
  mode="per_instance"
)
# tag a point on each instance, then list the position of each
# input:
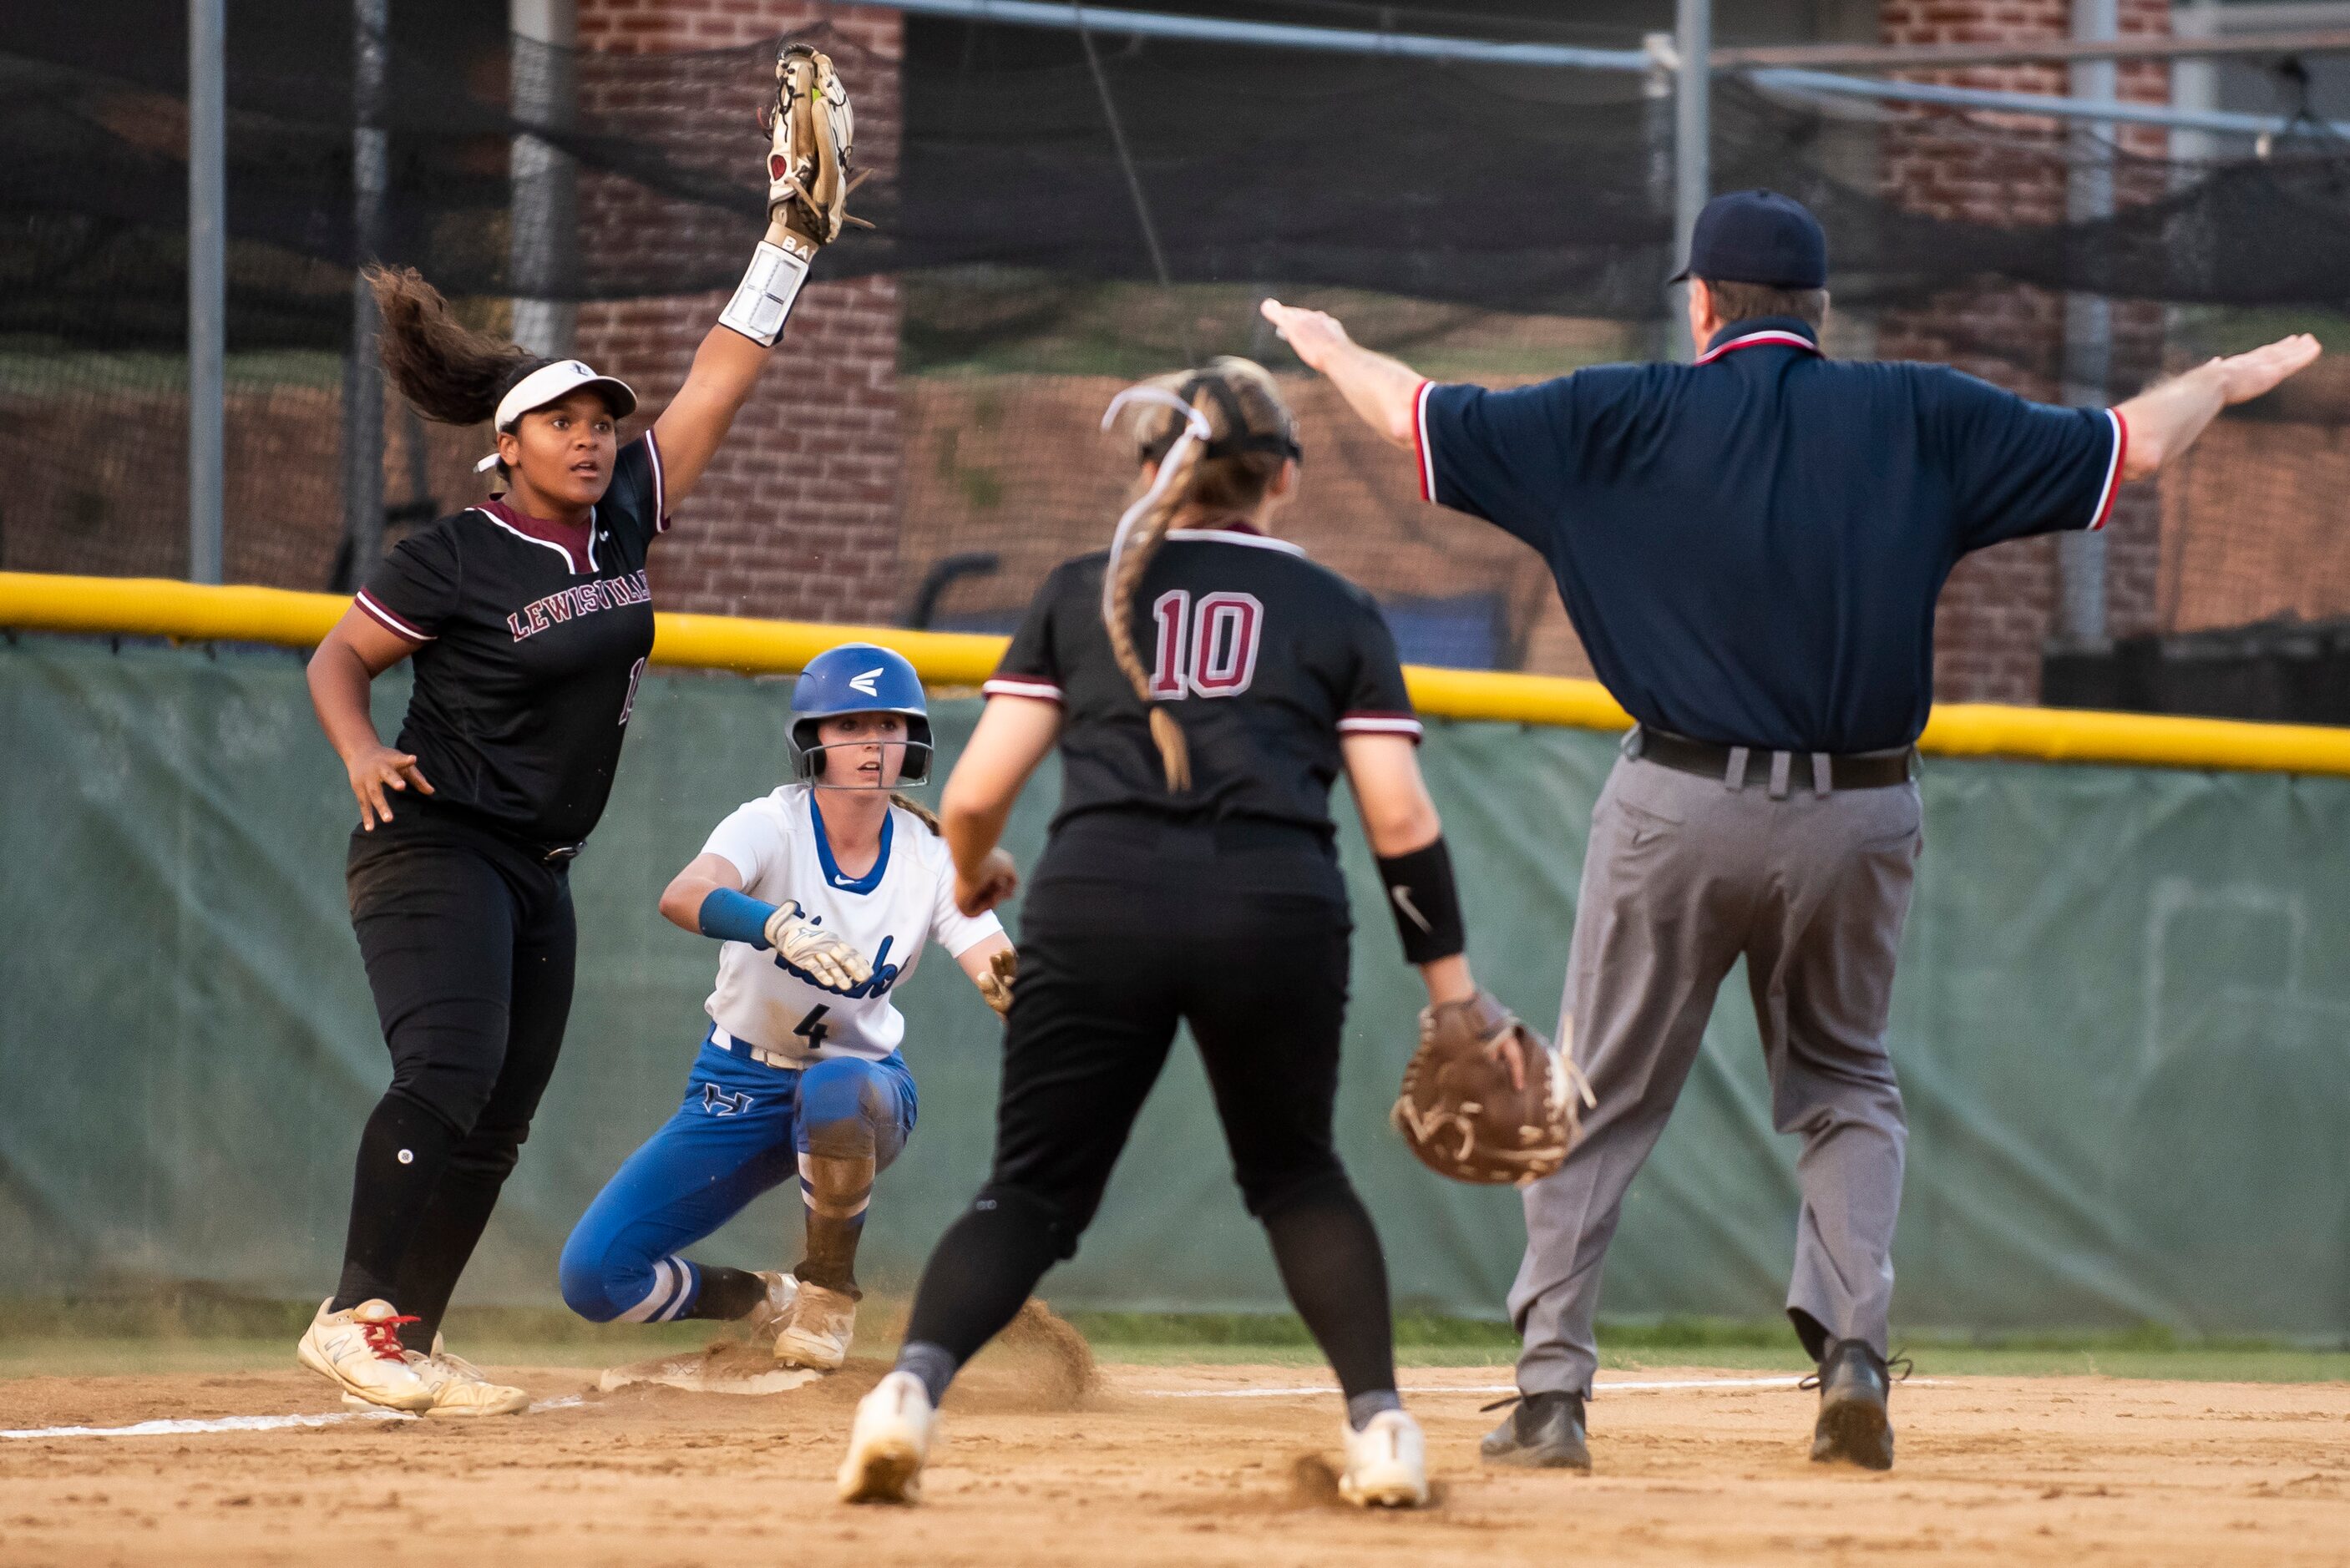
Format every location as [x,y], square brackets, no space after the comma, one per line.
[808,753]
[858,678]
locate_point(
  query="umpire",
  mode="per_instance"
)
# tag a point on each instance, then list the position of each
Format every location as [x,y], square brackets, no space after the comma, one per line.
[1751,547]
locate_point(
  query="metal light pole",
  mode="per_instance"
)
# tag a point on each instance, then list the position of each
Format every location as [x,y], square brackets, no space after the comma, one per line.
[544,230]
[2088,320]
[362,373]
[1693,129]
[207,283]
[2194,84]
[1658,113]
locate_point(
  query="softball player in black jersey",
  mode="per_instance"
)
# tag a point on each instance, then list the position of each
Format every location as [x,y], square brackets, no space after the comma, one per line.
[1205,683]
[529,620]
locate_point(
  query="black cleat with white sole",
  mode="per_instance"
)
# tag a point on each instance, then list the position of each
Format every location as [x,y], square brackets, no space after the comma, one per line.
[1854,1426]
[1544,1431]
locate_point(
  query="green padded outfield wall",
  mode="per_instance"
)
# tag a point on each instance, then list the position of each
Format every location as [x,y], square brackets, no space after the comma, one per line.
[2123,1026]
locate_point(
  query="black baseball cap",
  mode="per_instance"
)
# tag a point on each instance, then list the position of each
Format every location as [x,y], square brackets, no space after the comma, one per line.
[1758,236]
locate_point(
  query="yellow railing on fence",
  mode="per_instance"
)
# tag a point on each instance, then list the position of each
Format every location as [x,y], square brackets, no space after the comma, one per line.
[140,607]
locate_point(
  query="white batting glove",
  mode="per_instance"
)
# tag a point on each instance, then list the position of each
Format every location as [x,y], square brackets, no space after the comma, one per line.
[815,953]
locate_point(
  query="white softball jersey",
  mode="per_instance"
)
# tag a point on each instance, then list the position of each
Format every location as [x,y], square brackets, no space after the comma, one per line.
[890,913]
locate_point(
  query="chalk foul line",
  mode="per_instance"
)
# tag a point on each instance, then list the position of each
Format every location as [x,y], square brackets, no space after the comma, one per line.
[1423,1390]
[225,1424]
[189,1429]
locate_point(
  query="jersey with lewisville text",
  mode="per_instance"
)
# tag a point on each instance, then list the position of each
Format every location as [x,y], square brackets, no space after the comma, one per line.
[530,639]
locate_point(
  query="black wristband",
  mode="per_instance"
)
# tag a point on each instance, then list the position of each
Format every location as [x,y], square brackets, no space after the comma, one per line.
[1425,905]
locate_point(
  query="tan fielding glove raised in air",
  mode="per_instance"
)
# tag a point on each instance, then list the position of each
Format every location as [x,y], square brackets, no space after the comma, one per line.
[810,136]
[809,132]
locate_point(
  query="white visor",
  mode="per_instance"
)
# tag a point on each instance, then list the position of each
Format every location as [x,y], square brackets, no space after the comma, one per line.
[552,383]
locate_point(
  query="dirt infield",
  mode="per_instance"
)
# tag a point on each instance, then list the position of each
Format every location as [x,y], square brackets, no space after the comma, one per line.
[1202,1466]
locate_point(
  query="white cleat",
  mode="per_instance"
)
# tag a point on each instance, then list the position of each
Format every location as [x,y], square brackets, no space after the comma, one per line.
[888,1441]
[766,1319]
[359,1351]
[1387,1463]
[460,1389]
[818,1330]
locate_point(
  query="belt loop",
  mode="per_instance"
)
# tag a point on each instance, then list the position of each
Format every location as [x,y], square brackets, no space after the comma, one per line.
[1822,776]
[1632,744]
[1733,778]
[1782,765]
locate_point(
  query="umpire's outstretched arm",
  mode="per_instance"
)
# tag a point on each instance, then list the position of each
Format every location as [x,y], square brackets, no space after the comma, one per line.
[1379,387]
[2163,420]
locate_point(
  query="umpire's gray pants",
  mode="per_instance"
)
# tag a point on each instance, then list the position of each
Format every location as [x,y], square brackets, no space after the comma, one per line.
[1683,875]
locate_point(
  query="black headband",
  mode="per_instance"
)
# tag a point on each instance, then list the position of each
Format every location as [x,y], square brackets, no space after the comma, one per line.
[1242,439]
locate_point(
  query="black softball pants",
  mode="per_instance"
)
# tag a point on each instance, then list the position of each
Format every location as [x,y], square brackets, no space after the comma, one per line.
[469,946]
[1128,931]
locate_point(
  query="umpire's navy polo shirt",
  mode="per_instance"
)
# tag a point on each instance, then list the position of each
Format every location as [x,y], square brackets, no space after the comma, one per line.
[1750,545]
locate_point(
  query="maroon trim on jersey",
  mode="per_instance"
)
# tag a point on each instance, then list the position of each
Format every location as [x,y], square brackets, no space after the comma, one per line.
[1021,686]
[1373,723]
[2113,471]
[1779,336]
[1248,537]
[660,487]
[576,542]
[1421,463]
[391,622]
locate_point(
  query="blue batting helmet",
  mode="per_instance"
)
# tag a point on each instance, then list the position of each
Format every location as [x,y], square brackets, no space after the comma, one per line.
[858,678]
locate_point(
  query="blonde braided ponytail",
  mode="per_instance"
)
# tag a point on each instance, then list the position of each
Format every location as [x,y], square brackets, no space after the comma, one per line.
[1199,465]
[1139,533]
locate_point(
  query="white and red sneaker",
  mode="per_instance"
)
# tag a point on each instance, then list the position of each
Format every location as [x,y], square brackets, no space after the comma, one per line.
[359,1351]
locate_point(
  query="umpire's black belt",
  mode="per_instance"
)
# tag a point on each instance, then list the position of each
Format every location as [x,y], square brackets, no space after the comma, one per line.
[1821,772]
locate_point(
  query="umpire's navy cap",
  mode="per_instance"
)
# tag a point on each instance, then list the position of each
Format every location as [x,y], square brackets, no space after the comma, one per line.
[1758,236]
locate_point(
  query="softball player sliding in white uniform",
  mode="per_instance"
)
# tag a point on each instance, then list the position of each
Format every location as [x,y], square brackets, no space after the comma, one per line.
[824,894]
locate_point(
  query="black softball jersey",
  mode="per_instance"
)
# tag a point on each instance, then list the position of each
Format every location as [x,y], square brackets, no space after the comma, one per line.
[1263,658]
[530,639]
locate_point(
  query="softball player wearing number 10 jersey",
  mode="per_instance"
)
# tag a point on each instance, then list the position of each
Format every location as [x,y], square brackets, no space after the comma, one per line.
[1205,685]
[799,1071]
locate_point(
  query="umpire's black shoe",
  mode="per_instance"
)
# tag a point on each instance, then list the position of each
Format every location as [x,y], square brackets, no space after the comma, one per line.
[1544,1431]
[1853,1424]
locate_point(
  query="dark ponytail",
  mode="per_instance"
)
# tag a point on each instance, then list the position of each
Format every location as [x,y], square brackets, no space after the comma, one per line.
[450,372]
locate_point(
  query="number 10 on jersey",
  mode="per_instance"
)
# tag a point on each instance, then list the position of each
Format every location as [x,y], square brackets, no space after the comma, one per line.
[1208,650]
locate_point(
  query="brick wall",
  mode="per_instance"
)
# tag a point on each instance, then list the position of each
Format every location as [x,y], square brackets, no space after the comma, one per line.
[801,514]
[2001,603]
[798,514]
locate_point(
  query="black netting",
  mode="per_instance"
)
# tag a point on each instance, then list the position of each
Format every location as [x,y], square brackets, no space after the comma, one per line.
[1488,221]
[1514,190]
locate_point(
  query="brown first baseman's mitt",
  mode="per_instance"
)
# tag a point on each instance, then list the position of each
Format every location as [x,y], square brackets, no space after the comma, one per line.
[1461,1113]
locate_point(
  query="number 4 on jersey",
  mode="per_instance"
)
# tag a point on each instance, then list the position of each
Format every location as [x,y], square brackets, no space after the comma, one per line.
[1207,652]
[813,1028]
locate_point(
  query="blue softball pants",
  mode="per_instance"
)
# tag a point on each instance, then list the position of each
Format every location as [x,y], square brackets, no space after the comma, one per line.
[741,1130]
